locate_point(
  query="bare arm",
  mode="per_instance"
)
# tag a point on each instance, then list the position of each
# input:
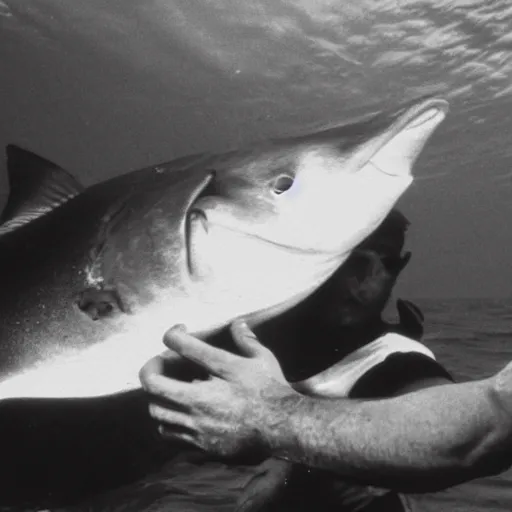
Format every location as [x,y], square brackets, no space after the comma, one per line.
[424,440]
[420,441]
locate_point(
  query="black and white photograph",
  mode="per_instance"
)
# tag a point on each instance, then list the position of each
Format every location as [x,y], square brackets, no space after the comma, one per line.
[255,256]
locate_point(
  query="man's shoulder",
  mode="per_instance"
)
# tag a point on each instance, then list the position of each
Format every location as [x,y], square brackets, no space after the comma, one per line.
[403,364]
[374,369]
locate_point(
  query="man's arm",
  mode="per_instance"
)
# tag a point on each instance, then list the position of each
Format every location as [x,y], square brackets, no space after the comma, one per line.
[424,440]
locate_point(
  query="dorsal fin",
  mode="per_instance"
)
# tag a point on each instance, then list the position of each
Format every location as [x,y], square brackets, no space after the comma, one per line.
[37,186]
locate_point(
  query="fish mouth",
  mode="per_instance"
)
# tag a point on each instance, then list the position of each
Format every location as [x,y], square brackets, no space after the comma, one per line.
[396,151]
[198,215]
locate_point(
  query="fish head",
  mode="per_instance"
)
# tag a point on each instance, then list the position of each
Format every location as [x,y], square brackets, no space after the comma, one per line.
[253,232]
[323,192]
[287,214]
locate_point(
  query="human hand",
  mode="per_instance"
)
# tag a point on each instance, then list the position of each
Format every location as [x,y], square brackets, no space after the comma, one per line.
[236,409]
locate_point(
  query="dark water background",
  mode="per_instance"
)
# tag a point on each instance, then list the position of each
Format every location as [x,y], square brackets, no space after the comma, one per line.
[106,86]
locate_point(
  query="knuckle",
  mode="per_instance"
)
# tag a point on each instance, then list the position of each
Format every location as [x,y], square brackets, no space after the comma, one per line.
[267,353]
[161,414]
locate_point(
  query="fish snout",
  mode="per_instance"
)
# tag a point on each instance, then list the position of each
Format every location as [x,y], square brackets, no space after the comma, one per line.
[400,146]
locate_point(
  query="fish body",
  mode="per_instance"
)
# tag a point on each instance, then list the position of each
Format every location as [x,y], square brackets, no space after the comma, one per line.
[91,279]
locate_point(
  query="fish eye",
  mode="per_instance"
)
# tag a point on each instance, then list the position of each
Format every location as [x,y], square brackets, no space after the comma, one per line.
[282,183]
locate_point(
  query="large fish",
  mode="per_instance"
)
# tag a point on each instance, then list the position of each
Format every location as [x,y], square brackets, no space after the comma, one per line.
[91,279]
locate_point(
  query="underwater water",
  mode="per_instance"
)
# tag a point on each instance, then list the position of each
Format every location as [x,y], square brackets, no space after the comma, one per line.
[106,86]
[102,87]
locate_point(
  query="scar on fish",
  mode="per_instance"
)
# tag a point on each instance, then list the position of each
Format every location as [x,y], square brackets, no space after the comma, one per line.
[101,300]
[99,303]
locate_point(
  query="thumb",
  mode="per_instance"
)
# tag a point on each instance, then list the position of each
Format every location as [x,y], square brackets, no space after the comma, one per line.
[245,339]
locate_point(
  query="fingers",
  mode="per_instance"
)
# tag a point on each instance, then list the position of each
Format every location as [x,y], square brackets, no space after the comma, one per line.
[152,368]
[171,418]
[246,340]
[152,379]
[217,361]
[154,382]
[169,433]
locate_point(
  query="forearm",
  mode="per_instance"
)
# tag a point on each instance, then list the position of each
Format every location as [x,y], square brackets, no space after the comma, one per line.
[432,438]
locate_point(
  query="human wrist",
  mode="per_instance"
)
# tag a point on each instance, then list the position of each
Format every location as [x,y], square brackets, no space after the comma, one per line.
[280,436]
